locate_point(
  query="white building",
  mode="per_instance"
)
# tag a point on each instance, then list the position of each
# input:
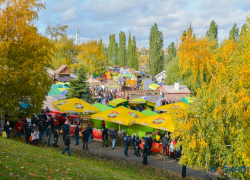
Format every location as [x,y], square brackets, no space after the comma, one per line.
[161,76]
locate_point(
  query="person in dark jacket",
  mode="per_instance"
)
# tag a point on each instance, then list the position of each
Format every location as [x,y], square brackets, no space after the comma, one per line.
[56,135]
[51,122]
[150,142]
[164,141]
[133,139]
[41,129]
[65,129]
[105,137]
[137,147]
[122,135]
[85,138]
[67,144]
[145,152]
[127,143]
[77,134]
[47,110]
[28,132]
[7,129]
[89,128]
[33,119]
[48,134]
[113,137]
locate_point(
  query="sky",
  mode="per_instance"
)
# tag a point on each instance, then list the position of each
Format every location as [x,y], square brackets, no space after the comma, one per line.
[96,18]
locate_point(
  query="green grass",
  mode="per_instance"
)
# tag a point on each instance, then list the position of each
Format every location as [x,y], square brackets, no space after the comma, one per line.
[21,161]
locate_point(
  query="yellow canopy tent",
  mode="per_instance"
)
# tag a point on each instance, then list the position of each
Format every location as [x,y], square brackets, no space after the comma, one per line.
[120,115]
[169,107]
[74,105]
[160,121]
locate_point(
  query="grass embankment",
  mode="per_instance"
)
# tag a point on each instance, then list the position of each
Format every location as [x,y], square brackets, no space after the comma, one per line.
[22,161]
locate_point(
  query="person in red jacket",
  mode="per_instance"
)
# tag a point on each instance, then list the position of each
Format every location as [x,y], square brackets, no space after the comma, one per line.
[18,129]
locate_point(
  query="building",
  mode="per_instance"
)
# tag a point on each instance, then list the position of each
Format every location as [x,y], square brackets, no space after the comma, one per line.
[77,37]
[175,92]
[63,71]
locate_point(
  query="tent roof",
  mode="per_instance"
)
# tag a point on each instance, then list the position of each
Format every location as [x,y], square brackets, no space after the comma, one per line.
[120,115]
[58,97]
[153,86]
[116,101]
[92,80]
[168,107]
[149,113]
[113,84]
[160,121]
[138,100]
[102,107]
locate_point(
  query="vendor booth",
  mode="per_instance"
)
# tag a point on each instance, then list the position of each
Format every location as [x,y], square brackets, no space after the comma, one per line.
[187,100]
[118,118]
[102,107]
[153,86]
[142,102]
[169,107]
[118,102]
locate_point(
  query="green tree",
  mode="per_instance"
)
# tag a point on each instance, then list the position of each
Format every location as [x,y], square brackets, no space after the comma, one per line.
[112,50]
[243,29]
[135,58]
[130,52]
[74,70]
[156,55]
[122,57]
[234,33]
[171,52]
[79,87]
[212,32]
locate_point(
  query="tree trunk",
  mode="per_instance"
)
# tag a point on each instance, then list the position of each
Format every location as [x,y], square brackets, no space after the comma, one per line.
[2,121]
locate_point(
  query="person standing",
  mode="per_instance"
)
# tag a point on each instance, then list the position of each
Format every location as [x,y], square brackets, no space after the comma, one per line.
[105,137]
[56,135]
[36,136]
[122,135]
[137,147]
[65,129]
[41,129]
[77,134]
[7,129]
[150,143]
[89,128]
[85,138]
[113,137]
[67,144]
[48,134]
[22,126]
[133,139]
[171,150]
[18,129]
[145,153]
[164,141]
[28,132]
[127,143]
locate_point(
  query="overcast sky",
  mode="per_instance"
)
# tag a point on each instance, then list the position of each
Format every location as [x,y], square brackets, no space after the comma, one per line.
[101,18]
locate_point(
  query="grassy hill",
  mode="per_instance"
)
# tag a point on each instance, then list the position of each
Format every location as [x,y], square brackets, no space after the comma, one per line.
[22,161]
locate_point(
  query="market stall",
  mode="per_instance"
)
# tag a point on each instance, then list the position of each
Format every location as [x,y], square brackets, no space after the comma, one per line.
[187,100]
[169,107]
[102,107]
[142,102]
[118,102]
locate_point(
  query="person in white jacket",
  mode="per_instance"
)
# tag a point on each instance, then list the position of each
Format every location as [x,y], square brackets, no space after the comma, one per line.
[171,150]
[35,136]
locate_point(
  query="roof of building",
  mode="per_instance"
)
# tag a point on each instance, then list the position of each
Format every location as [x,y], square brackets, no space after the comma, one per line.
[170,89]
[62,67]
[63,79]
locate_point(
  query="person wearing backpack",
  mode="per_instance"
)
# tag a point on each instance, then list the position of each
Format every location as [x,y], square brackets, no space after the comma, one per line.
[113,137]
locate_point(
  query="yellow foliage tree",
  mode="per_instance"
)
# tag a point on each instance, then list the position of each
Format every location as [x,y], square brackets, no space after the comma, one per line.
[24,57]
[215,131]
[91,55]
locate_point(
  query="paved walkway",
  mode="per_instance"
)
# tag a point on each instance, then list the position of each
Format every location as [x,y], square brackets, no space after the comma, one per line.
[156,160]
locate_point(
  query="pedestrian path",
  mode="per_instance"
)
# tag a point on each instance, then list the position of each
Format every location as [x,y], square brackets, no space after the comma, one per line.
[155,160]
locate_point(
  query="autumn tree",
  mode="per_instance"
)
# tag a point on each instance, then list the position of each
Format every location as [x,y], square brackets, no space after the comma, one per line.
[215,130]
[143,59]
[92,57]
[122,52]
[54,32]
[24,57]
[65,52]
[79,88]
[234,33]
[156,55]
